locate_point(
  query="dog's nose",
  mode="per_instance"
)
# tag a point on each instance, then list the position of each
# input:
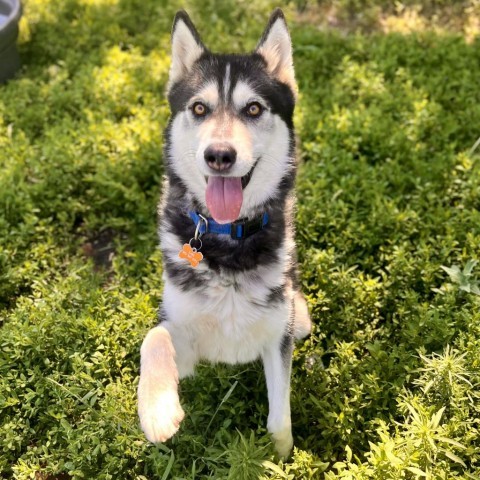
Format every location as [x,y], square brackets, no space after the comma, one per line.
[220,156]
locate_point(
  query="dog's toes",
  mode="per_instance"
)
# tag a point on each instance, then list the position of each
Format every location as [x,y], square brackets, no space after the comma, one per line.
[160,415]
[283,442]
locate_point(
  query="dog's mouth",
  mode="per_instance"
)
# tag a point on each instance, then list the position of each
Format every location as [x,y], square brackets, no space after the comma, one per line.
[246,178]
[224,196]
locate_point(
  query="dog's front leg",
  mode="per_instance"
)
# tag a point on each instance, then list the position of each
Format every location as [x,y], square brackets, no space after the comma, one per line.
[158,404]
[277,361]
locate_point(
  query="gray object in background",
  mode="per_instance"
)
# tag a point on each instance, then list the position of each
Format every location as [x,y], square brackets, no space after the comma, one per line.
[10,13]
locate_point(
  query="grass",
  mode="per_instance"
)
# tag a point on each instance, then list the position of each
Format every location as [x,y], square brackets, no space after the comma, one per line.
[387,387]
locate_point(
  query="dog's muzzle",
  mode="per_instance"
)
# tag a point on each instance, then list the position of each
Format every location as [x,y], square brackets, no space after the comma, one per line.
[220,156]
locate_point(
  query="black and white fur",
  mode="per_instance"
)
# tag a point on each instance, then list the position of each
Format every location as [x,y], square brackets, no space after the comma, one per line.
[243,300]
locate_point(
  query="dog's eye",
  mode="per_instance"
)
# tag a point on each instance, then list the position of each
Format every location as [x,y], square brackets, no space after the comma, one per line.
[199,109]
[253,109]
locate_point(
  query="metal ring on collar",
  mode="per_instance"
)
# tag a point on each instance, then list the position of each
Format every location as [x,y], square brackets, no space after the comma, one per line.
[198,234]
[197,240]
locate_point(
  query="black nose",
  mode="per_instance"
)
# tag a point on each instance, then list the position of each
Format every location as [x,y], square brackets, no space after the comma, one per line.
[220,156]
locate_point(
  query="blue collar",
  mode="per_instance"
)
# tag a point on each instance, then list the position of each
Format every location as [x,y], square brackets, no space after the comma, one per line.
[237,230]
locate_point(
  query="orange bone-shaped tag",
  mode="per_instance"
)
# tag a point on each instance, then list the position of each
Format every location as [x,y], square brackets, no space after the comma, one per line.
[191,255]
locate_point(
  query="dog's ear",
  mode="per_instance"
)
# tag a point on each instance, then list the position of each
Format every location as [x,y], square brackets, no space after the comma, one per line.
[275,47]
[187,47]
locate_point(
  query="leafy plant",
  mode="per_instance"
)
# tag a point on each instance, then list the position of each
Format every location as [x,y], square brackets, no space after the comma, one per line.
[464,278]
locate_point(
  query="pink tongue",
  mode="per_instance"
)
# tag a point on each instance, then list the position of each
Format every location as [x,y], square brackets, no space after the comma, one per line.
[224,198]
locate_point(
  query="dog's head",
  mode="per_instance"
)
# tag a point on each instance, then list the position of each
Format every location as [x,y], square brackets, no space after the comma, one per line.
[230,138]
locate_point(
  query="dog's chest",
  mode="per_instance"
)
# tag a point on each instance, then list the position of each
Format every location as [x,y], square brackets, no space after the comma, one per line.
[231,317]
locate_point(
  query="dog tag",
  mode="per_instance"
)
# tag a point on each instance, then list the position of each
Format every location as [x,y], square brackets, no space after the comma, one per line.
[191,255]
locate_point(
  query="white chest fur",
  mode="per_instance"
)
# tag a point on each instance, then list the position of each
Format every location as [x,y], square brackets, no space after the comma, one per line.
[231,320]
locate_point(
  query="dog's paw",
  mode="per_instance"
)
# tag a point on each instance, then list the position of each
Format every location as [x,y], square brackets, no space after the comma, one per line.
[283,442]
[160,414]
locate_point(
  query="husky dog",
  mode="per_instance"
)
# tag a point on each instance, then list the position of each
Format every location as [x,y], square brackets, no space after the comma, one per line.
[231,292]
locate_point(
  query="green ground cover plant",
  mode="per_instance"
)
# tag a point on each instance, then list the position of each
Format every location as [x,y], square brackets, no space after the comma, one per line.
[388,230]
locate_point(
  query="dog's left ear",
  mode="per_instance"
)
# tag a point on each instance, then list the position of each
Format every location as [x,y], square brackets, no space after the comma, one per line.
[275,47]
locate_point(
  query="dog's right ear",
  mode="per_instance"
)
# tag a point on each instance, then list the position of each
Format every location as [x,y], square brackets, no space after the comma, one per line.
[187,47]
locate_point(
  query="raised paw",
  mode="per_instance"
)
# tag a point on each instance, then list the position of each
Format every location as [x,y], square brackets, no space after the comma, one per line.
[160,413]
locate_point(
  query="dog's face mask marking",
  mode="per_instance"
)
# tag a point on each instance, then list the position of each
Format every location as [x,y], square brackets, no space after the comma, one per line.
[230,132]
